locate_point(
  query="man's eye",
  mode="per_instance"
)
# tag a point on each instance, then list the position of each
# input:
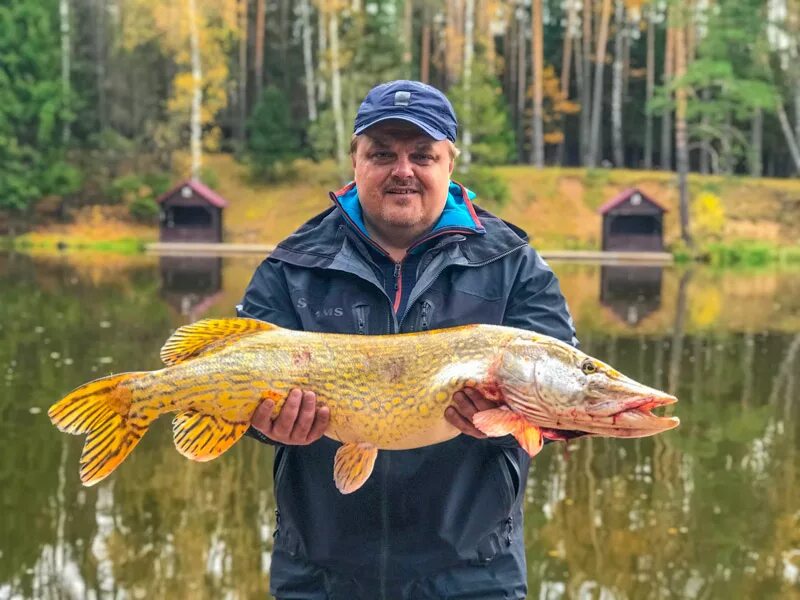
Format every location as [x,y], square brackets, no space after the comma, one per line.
[423,157]
[381,155]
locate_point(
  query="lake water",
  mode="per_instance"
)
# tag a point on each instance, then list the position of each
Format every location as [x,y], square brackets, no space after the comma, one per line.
[710,510]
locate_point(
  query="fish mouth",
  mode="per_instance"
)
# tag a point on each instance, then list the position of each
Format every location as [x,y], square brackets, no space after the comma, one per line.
[635,419]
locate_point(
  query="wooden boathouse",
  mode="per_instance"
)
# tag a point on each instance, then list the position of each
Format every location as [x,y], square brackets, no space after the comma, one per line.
[191,212]
[633,222]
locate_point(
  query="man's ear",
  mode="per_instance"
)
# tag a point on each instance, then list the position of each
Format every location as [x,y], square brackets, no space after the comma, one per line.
[452,165]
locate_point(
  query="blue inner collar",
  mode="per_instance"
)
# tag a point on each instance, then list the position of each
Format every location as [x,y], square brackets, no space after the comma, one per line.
[458,213]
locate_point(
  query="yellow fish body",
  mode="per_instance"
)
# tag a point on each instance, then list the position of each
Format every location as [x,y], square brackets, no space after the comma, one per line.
[384,392]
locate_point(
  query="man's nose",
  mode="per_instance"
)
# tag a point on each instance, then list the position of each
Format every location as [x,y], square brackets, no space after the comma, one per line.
[403,167]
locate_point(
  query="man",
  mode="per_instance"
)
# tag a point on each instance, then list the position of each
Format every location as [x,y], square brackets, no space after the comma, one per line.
[402,249]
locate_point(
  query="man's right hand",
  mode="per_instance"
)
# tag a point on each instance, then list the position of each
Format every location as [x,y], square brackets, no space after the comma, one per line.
[299,423]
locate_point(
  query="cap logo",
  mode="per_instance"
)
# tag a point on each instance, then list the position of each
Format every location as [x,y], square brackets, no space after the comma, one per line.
[402,98]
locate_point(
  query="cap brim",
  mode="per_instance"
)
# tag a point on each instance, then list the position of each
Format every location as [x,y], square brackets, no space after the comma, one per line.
[434,133]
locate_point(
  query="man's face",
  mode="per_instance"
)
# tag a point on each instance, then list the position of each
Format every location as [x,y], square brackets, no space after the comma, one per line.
[402,176]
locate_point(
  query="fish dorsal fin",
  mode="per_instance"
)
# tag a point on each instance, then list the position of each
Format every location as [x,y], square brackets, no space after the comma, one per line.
[497,422]
[198,338]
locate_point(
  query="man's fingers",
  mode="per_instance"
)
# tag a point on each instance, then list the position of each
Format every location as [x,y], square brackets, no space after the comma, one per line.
[464,405]
[323,417]
[305,418]
[461,423]
[478,401]
[284,424]
[262,417]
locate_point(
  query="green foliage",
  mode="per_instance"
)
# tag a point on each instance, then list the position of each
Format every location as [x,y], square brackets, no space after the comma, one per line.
[741,254]
[33,108]
[139,193]
[493,141]
[144,210]
[491,189]
[273,135]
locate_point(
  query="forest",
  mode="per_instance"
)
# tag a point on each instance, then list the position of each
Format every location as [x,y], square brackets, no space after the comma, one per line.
[98,96]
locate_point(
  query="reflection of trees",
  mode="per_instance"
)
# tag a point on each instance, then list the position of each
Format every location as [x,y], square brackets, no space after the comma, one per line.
[711,507]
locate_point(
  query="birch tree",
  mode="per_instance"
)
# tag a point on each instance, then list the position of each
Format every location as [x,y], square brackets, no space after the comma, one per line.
[586,91]
[616,84]
[197,93]
[66,56]
[678,25]
[308,62]
[336,89]
[466,117]
[537,57]
[650,86]
[595,144]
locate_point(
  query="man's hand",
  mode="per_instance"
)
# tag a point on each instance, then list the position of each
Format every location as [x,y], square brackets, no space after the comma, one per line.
[466,403]
[299,423]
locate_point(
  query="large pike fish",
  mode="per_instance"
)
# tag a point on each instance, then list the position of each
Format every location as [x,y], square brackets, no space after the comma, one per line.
[384,392]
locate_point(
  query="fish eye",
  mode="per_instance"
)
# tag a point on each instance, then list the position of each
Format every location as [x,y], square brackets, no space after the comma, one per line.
[588,367]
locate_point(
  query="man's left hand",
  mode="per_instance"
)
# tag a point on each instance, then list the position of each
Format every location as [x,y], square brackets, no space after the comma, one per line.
[465,404]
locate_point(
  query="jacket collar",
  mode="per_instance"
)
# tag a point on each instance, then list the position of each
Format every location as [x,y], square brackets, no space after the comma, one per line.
[481,235]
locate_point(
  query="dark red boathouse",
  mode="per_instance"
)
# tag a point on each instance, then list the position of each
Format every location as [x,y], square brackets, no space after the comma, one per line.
[191,212]
[633,222]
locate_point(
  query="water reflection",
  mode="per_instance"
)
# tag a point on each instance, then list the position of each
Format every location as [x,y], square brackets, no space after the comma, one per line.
[709,510]
[632,292]
[191,284]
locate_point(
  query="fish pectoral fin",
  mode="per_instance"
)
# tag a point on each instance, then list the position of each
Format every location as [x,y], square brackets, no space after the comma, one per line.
[193,340]
[497,422]
[203,437]
[353,465]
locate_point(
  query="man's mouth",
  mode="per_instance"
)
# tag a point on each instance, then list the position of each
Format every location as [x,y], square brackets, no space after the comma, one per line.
[401,191]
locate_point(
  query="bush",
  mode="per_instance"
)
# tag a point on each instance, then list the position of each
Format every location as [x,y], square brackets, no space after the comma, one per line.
[144,210]
[274,138]
[490,188]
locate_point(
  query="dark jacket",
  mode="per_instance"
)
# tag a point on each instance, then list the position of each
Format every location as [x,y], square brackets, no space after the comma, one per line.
[455,507]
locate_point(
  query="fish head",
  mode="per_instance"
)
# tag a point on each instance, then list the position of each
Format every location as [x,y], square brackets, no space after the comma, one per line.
[566,392]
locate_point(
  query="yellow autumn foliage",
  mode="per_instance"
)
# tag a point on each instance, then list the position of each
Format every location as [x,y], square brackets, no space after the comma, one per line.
[708,216]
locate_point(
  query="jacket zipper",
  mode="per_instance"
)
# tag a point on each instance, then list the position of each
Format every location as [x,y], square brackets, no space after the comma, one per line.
[398,285]
[416,296]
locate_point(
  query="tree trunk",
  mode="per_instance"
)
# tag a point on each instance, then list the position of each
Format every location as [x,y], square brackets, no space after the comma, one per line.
[258,58]
[466,140]
[595,145]
[425,52]
[616,85]
[197,94]
[681,139]
[522,79]
[666,118]
[285,26]
[308,61]
[791,142]
[100,63]
[336,91]
[322,90]
[408,35]
[756,142]
[566,50]
[586,95]
[241,122]
[66,60]
[705,143]
[650,86]
[537,57]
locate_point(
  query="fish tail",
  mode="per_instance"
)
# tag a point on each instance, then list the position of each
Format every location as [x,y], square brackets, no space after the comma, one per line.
[101,409]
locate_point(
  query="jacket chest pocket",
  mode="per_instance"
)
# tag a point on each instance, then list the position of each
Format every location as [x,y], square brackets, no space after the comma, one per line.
[335,312]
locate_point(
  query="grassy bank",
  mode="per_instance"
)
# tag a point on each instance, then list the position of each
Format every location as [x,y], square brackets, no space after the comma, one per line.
[736,220]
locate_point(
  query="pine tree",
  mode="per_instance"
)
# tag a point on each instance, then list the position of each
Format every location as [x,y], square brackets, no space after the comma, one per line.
[32,106]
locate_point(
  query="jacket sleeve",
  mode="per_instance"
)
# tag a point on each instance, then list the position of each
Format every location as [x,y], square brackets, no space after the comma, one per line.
[267,299]
[536,302]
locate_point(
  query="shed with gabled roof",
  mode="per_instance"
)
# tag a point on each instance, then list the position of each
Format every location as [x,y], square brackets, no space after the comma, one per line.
[191,212]
[633,222]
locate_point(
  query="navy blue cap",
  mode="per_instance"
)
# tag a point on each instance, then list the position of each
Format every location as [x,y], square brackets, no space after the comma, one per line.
[412,101]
